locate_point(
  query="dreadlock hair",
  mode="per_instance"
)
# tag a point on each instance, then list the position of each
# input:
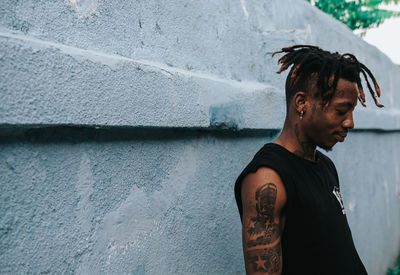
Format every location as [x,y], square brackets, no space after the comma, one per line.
[312,65]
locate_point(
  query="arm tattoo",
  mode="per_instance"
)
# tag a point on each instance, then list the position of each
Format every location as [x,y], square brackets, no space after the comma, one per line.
[263,226]
[265,260]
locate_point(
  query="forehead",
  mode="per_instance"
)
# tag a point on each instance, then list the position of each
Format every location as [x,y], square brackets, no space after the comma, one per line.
[346,92]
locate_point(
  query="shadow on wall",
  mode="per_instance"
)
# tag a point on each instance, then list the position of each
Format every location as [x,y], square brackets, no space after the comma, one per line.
[70,134]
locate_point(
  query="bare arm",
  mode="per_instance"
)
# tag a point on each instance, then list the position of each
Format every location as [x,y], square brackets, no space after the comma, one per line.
[263,198]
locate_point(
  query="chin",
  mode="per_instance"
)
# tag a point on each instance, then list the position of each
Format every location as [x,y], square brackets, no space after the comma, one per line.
[325,147]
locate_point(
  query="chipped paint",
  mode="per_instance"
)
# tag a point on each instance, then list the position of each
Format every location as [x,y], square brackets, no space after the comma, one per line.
[244,8]
[83,8]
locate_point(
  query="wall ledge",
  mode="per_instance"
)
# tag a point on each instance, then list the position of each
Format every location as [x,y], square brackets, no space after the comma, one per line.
[51,84]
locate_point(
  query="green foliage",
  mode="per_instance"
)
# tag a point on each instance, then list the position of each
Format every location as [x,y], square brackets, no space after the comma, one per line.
[357,14]
[395,270]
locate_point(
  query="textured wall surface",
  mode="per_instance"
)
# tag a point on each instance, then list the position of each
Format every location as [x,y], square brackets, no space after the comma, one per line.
[123,127]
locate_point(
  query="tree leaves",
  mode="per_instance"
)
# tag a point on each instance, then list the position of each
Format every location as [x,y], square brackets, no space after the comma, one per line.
[357,14]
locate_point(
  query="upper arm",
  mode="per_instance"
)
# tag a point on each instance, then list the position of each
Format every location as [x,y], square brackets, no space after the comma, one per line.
[263,200]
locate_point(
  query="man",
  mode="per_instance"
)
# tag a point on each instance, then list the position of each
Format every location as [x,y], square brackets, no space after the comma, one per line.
[288,196]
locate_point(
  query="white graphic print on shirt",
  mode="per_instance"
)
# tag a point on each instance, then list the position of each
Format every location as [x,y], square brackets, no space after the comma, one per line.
[338,196]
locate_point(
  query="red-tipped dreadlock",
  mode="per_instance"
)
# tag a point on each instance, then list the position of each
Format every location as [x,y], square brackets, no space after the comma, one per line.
[310,62]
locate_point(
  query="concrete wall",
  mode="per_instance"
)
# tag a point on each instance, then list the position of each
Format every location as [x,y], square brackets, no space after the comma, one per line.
[125,124]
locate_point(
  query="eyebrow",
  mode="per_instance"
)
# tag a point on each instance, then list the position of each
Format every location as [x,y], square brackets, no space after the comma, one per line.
[346,104]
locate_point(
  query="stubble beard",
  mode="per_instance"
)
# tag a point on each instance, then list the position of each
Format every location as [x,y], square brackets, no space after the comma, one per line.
[326,148]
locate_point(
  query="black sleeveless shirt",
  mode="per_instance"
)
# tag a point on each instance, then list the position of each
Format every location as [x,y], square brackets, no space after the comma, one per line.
[316,238]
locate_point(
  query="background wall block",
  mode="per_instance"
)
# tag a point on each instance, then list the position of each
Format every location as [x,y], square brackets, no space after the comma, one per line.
[124,125]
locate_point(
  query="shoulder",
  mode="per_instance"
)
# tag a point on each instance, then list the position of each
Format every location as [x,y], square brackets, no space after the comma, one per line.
[262,174]
[326,160]
[270,149]
[264,181]
[322,156]
[257,168]
[265,167]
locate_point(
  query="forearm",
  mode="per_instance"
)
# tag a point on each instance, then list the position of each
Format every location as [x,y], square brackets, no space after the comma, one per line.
[263,259]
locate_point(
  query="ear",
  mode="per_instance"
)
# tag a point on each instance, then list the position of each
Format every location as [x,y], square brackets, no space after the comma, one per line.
[300,100]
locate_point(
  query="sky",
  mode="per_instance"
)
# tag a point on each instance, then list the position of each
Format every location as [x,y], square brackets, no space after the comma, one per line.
[386,37]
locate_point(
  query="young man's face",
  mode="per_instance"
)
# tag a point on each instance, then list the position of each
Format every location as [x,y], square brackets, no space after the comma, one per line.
[326,125]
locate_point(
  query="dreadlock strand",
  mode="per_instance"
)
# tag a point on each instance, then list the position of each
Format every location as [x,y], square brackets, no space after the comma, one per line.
[361,101]
[304,65]
[274,53]
[377,89]
[291,48]
[288,60]
[283,67]
[371,91]
[282,59]
[351,56]
[377,103]
[299,61]
[361,92]
[324,79]
[361,68]
[337,69]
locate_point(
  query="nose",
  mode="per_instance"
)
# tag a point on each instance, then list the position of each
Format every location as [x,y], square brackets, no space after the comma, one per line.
[348,123]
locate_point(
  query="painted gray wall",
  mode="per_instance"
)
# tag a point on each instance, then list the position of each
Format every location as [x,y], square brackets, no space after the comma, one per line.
[124,126]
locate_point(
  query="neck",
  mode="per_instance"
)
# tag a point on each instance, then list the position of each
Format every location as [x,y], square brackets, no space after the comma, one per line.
[293,139]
